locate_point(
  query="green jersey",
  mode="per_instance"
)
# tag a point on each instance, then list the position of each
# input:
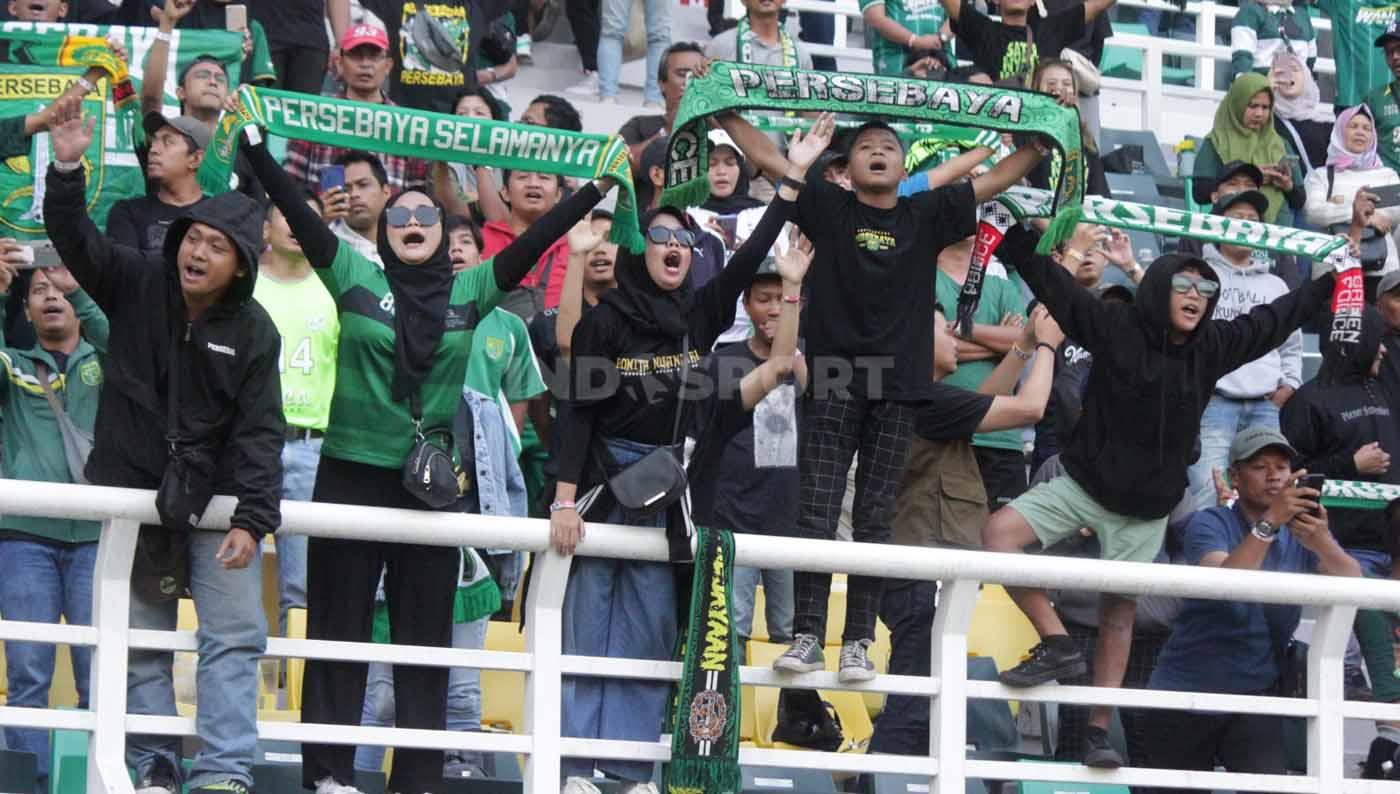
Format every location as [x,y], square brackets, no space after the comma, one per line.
[366,426]
[502,366]
[306,318]
[1361,65]
[921,17]
[1387,115]
[999,297]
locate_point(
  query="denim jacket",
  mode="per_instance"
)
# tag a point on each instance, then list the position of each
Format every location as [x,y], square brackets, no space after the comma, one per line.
[500,485]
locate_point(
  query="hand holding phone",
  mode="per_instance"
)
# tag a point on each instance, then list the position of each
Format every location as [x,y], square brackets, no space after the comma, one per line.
[1386,195]
[332,177]
[1315,482]
[236,17]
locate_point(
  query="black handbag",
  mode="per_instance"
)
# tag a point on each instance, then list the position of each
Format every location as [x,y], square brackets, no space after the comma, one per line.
[1374,251]
[657,480]
[187,485]
[428,471]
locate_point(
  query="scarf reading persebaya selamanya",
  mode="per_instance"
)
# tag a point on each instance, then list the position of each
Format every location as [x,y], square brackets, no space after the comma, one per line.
[732,86]
[435,136]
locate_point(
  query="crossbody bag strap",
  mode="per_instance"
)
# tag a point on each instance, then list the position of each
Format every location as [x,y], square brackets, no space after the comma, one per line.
[680,398]
[1331,177]
[43,370]
[172,401]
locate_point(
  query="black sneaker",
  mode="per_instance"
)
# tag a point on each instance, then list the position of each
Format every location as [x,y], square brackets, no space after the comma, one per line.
[1098,753]
[159,779]
[1380,762]
[1050,660]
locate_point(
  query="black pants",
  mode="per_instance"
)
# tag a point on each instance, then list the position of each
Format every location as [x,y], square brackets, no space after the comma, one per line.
[1074,718]
[1198,741]
[833,430]
[300,68]
[341,578]
[1003,474]
[585,18]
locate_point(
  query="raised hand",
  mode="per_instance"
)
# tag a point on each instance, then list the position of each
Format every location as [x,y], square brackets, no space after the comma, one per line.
[793,263]
[804,149]
[582,238]
[61,279]
[172,12]
[1046,329]
[72,137]
[12,256]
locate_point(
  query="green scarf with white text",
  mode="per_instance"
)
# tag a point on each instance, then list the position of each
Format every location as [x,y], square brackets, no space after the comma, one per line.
[435,136]
[732,86]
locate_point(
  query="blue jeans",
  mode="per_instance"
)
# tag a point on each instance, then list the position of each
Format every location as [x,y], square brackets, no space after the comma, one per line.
[907,607]
[463,698]
[232,635]
[614,29]
[299,461]
[1223,419]
[618,608]
[777,605]
[40,582]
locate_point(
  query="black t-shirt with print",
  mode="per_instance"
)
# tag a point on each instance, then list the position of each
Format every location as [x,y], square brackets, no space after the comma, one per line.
[1002,50]
[951,413]
[298,24]
[432,47]
[869,315]
[141,222]
[743,475]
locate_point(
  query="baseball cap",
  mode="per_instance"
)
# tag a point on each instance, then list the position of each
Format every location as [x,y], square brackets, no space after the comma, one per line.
[1235,167]
[720,138]
[1391,33]
[1253,198]
[355,35]
[1253,440]
[1389,282]
[194,130]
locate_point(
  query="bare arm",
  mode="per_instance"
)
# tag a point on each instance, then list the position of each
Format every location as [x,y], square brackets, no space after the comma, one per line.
[896,33]
[1092,8]
[443,191]
[158,57]
[766,377]
[757,147]
[582,241]
[488,196]
[958,167]
[1027,406]
[338,14]
[953,8]
[1006,173]
[1008,371]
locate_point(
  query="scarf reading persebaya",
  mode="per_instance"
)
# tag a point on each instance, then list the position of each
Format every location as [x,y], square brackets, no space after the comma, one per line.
[1234,141]
[732,86]
[434,136]
[1342,158]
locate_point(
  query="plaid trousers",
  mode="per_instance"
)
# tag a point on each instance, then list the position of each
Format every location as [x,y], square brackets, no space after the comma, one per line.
[833,430]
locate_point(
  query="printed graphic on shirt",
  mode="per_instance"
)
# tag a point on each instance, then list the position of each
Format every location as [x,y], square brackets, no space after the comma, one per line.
[654,365]
[775,429]
[1020,58]
[91,372]
[433,43]
[874,239]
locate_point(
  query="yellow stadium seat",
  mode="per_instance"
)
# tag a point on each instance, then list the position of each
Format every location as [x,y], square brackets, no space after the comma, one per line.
[999,629]
[296,668]
[850,706]
[503,691]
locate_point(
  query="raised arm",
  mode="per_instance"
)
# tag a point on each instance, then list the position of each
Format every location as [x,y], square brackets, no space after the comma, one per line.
[1027,406]
[1081,315]
[757,147]
[512,263]
[317,241]
[158,56]
[783,359]
[958,167]
[1263,328]
[582,241]
[338,15]
[1008,172]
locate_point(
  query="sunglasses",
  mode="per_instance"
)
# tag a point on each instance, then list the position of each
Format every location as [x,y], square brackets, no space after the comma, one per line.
[662,235]
[1204,287]
[398,217]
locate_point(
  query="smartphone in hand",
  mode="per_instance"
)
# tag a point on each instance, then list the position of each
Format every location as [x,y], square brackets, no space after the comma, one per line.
[1315,482]
[332,177]
[1386,195]
[236,17]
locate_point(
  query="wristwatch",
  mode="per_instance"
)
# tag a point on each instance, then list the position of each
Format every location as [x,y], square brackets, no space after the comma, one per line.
[1264,530]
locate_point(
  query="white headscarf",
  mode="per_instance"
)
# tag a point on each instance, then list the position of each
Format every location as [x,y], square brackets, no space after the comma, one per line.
[1307,106]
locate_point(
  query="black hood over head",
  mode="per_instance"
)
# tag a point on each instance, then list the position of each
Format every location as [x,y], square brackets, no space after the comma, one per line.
[240,219]
[646,306]
[1155,292]
[421,294]
[1350,362]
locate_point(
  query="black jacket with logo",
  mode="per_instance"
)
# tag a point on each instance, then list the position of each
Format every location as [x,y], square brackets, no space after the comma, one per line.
[230,393]
[1141,421]
[1332,416]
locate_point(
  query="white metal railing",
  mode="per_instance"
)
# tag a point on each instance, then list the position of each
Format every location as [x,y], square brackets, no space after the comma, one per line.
[543,663]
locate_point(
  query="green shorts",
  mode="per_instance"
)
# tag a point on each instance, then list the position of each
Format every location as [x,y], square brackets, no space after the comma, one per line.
[1057,509]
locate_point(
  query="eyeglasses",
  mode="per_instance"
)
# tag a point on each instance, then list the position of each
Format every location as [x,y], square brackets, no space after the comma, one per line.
[662,235]
[1182,283]
[398,217]
[210,74]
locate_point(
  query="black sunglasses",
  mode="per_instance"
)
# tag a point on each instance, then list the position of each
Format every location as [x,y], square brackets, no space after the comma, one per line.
[1206,288]
[662,235]
[398,217]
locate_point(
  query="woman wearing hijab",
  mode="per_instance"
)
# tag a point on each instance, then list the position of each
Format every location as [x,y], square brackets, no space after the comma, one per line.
[627,354]
[1244,131]
[405,336]
[1299,115]
[1353,164]
[728,177]
[1055,76]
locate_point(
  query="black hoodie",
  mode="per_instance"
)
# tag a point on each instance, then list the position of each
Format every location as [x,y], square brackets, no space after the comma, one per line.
[230,393]
[1141,422]
[1334,415]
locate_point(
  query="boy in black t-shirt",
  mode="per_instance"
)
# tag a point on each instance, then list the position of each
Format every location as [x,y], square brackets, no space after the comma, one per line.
[869,349]
[1013,46]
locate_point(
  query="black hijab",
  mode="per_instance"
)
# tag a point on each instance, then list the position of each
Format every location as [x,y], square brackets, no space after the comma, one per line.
[739,200]
[647,307]
[421,293]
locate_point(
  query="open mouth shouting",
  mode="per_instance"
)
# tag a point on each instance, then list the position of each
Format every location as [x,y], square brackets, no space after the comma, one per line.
[414,242]
[1191,310]
[672,264]
[193,274]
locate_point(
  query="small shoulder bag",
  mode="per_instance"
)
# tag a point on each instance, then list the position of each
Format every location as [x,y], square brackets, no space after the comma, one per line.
[657,480]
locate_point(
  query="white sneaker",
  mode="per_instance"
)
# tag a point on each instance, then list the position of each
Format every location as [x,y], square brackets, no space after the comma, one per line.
[579,785]
[641,788]
[588,86]
[329,785]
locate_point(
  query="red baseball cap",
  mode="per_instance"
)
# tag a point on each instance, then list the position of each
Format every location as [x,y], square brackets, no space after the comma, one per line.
[359,34]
